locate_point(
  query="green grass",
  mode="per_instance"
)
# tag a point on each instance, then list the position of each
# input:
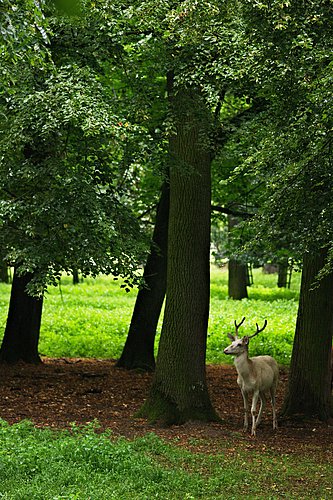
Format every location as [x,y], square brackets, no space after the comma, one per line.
[92,319]
[266,301]
[81,464]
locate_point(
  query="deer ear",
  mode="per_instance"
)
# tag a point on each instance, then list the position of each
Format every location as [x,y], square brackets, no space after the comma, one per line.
[231,336]
[245,340]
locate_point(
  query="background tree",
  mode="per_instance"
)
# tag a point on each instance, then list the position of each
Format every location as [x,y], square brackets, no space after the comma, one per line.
[62,173]
[289,61]
[237,270]
[4,273]
[138,351]
[20,341]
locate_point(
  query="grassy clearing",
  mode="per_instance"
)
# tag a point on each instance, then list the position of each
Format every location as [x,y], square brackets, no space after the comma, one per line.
[91,319]
[45,464]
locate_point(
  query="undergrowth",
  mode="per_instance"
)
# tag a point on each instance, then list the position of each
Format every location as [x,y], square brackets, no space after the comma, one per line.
[92,319]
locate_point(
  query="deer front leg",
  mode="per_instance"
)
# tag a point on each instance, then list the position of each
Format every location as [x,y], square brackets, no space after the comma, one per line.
[246,410]
[253,411]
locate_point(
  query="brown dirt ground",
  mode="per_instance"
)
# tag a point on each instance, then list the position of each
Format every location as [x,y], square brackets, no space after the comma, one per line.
[62,391]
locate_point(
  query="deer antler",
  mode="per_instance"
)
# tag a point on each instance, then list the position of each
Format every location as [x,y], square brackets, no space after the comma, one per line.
[237,326]
[258,330]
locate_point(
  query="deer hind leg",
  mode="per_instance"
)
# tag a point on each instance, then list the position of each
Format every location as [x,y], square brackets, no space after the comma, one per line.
[262,406]
[253,411]
[246,410]
[272,392]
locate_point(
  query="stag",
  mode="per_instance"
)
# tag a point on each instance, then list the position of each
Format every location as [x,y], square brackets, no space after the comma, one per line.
[257,376]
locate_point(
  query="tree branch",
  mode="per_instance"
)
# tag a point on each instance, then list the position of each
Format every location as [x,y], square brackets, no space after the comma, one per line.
[230,211]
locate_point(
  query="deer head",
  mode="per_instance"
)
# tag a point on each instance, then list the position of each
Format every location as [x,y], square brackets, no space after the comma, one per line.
[240,345]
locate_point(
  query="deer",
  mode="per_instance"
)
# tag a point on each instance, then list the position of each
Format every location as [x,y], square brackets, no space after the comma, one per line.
[257,376]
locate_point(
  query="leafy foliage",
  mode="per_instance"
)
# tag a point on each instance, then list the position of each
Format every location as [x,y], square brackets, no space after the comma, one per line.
[24,34]
[86,124]
[62,205]
[288,144]
[69,161]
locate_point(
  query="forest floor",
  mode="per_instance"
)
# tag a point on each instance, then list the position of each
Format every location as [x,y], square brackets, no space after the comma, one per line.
[61,391]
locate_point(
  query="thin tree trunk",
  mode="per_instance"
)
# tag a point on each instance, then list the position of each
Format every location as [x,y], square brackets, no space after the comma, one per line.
[237,271]
[4,274]
[138,352]
[310,377]
[237,280]
[179,390]
[282,274]
[20,342]
[76,277]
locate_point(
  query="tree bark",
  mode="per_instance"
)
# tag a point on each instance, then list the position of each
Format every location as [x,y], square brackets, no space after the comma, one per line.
[310,376]
[179,389]
[282,274]
[237,280]
[237,271]
[76,277]
[20,342]
[138,352]
[4,274]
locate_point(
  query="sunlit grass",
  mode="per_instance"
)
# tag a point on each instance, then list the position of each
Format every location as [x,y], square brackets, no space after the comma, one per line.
[92,319]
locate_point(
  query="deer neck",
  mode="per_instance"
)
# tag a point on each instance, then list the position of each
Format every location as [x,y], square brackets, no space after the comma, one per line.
[243,364]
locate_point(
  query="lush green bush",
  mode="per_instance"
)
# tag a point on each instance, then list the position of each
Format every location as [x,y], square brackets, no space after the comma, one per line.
[80,464]
[92,319]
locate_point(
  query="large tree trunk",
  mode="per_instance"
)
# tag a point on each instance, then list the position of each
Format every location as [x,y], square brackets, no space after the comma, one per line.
[20,342]
[138,351]
[237,271]
[309,379]
[179,390]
